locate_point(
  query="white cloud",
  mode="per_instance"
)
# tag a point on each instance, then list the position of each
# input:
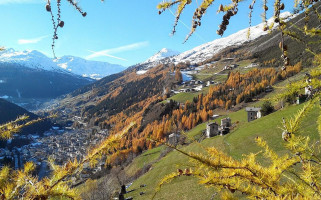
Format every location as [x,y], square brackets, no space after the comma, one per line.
[120,49]
[31,41]
[98,54]
[2,2]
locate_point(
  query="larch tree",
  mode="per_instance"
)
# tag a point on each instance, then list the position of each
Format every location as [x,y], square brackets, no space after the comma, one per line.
[178,75]
[295,175]
[22,184]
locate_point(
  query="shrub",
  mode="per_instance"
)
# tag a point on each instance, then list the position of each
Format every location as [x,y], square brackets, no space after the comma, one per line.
[267,108]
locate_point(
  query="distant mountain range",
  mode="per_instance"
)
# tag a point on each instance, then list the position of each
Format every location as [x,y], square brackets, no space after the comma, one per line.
[87,68]
[66,64]
[44,77]
[207,50]
[33,75]
[18,81]
[95,98]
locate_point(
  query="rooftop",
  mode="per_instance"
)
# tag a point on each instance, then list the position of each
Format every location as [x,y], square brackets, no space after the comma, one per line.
[248,109]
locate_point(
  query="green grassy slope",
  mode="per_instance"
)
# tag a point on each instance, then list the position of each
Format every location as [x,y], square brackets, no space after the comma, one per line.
[240,141]
[148,157]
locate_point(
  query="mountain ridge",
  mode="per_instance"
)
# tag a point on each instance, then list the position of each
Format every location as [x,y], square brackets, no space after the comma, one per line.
[163,53]
[207,50]
[66,64]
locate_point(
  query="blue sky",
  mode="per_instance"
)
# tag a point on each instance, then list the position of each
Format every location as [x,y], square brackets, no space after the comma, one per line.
[121,33]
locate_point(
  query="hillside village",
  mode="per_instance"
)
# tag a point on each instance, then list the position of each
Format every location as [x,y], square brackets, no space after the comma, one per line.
[191,85]
[68,143]
[57,143]
[219,116]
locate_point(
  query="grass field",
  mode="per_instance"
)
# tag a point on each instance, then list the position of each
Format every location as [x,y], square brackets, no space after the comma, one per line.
[237,143]
[144,159]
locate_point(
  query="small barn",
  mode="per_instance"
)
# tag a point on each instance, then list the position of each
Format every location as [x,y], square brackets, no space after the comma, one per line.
[253,113]
[173,139]
[226,122]
[211,129]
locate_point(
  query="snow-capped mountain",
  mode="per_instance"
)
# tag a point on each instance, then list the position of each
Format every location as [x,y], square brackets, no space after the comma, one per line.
[86,68]
[209,49]
[33,75]
[160,57]
[31,59]
[163,53]
[20,82]
[66,64]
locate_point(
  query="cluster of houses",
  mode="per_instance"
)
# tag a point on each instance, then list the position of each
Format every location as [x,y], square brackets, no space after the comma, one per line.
[62,145]
[213,129]
[230,67]
[193,86]
[252,65]
[69,145]
[192,69]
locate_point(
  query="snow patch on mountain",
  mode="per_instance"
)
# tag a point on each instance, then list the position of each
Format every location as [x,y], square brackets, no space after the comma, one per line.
[209,49]
[140,72]
[29,58]
[5,97]
[86,68]
[163,53]
[66,64]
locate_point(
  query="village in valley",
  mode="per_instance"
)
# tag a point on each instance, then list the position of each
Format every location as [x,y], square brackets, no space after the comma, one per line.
[66,143]
[118,110]
[59,143]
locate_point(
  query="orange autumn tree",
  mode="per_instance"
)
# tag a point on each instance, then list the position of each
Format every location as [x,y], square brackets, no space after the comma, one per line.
[295,174]
[22,184]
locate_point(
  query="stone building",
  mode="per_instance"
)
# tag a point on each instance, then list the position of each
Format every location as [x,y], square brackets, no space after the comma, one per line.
[173,139]
[308,90]
[253,113]
[226,122]
[211,129]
